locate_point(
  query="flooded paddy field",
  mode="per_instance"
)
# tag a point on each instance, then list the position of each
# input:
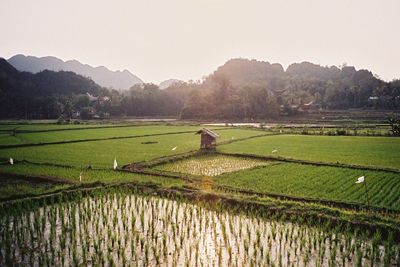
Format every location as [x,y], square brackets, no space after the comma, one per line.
[124,229]
[212,164]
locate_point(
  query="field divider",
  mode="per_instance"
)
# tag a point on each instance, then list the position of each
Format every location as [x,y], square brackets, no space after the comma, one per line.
[309,162]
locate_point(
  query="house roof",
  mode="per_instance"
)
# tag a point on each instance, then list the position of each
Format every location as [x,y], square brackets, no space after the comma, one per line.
[207,131]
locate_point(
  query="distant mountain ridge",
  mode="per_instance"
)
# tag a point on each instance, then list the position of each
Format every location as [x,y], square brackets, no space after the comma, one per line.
[101,75]
[43,94]
[241,89]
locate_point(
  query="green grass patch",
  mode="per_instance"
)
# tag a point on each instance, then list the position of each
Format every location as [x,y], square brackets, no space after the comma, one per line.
[89,176]
[319,182]
[40,126]
[368,151]
[100,154]
[108,132]
[16,188]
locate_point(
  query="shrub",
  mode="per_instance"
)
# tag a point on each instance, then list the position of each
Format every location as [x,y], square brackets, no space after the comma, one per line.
[340,132]
[394,122]
[61,120]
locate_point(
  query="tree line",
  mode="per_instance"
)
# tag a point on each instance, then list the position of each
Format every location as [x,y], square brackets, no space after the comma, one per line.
[239,89]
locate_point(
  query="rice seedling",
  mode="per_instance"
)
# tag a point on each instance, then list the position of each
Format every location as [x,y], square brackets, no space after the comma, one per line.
[121,228]
[318,182]
[117,229]
[211,165]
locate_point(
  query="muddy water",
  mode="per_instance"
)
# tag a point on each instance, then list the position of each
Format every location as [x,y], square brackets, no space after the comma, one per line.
[133,230]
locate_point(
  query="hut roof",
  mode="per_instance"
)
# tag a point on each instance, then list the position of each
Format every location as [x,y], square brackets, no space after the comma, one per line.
[207,131]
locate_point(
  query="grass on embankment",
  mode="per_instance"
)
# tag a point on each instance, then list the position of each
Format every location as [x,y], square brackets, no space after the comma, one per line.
[367,151]
[15,188]
[89,176]
[21,188]
[318,182]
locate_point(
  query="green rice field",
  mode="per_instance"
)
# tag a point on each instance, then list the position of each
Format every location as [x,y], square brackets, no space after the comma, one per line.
[100,154]
[88,176]
[318,182]
[145,143]
[94,133]
[131,230]
[47,125]
[367,151]
[243,203]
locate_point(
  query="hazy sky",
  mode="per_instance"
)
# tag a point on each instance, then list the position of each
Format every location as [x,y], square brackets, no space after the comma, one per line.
[188,39]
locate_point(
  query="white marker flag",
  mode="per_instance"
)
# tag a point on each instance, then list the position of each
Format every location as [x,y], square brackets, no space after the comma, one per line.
[80,176]
[115,163]
[174,148]
[360,179]
[275,150]
[11,161]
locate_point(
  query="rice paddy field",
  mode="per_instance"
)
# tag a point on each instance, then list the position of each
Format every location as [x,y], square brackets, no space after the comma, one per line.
[288,176]
[47,125]
[211,165]
[356,150]
[89,133]
[100,154]
[319,182]
[88,175]
[123,229]
[12,187]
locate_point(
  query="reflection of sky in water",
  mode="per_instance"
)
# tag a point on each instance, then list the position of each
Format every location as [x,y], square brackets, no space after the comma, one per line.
[136,230]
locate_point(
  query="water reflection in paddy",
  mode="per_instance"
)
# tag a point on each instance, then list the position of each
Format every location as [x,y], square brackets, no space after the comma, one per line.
[135,231]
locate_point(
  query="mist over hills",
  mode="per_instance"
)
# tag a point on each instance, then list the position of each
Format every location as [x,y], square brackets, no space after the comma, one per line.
[167,83]
[46,94]
[252,89]
[101,75]
[240,89]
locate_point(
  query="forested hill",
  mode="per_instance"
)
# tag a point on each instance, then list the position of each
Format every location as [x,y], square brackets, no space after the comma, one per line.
[256,89]
[240,89]
[244,72]
[24,93]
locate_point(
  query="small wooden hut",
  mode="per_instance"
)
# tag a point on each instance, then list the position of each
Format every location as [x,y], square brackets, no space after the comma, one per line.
[208,138]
